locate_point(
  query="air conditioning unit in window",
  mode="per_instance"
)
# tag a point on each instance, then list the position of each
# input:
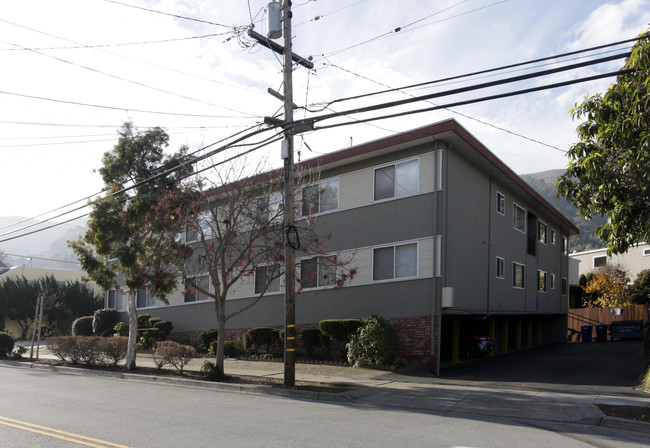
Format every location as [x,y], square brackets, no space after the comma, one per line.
[447,297]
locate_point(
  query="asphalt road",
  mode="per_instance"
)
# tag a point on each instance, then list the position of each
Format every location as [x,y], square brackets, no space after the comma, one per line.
[121,413]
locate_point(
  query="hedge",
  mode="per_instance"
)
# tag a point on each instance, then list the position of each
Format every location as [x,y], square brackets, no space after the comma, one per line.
[6,344]
[83,326]
[104,322]
[260,339]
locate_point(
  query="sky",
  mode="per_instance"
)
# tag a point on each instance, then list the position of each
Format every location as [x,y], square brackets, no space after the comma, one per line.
[73,71]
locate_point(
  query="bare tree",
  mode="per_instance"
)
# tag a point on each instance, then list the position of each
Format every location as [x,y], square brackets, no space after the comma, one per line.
[238,229]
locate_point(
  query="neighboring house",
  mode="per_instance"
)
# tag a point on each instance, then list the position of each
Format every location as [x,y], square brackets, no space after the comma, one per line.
[34,274]
[635,260]
[448,242]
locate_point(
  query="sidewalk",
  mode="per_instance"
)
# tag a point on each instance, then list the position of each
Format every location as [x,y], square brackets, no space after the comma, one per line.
[418,392]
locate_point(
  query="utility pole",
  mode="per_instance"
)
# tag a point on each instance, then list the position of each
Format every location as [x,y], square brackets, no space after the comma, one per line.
[289,207]
[289,198]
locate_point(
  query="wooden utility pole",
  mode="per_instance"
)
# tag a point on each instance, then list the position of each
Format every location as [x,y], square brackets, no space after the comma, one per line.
[291,238]
[289,207]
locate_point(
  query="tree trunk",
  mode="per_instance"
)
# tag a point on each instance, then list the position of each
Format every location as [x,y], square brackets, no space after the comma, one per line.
[133,331]
[221,338]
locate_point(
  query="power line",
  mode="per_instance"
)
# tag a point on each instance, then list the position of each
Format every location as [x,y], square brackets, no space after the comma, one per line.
[41,258]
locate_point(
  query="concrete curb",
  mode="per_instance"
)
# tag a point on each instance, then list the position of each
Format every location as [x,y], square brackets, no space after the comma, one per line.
[626,425]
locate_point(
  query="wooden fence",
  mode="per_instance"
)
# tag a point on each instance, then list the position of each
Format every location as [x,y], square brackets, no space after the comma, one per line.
[594,316]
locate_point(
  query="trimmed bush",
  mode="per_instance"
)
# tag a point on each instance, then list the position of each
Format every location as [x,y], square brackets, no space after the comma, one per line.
[375,344]
[153,321]
[315,343]
[6,344]
[170,352]
[121,329]
[230,349]
[83,326]
[114,349]
[207,337]
[164,328]
[89,350]
[143,321]
[340,330]
[259,340]
[104,322]
[64,348]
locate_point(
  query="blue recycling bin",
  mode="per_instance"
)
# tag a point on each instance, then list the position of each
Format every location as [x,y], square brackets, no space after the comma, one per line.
[586,332]
[601,332]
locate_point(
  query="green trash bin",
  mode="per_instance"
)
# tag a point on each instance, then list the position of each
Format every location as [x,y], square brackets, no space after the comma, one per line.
[586,331]
[601,332]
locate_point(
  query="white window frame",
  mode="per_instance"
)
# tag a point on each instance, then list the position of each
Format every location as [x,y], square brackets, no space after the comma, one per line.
[150,300]
[552,281]
[117,295]
[395,181]
[515,208]
[269,206]
[501,268]
[395,246]
[542,237]
[564,286]
[196,292]
[565,245]
[501,203]
[331,281]
[542,286]
[268,289]
[204,220]
[514,276]
[553,237]
[646,252]
[320,188]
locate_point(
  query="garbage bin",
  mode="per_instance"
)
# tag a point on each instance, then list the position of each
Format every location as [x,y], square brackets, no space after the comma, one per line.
[586,332]
[601,332]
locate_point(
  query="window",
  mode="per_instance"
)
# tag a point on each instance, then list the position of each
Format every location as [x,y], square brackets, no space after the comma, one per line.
[518,275]
[269,209]
[564,286]
[263,283]
[114,300]
[401,179]
[198,226]
[393,262]
[600,261]
[565,245]
[553,237]
[552,281]
[501,267]
[542,232]
[501,203]
[518,218]
[321,197]
[541,280]
[192,294]
[317,272]
[646,252]
[144,299]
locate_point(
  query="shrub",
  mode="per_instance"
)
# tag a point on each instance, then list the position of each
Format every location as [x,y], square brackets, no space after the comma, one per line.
[170,352]
[147,338]
[230,349]
[315,342]
[143,321]
[83,326]
[104,322]
[340,330]
[64,347]
[259,340]
[153,321]
[164,328]
[207,337]
[18,351]
[121,329]
[114,349]
[375,344]
[6,344]
[89,350]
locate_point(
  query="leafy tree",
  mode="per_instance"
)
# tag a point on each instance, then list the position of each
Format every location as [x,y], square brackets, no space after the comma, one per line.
[609,168]
[132,231]
[239,232]
[640,289]
[608,287]
[17,302]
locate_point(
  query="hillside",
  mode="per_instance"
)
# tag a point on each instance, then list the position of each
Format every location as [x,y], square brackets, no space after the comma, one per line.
[544,183]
